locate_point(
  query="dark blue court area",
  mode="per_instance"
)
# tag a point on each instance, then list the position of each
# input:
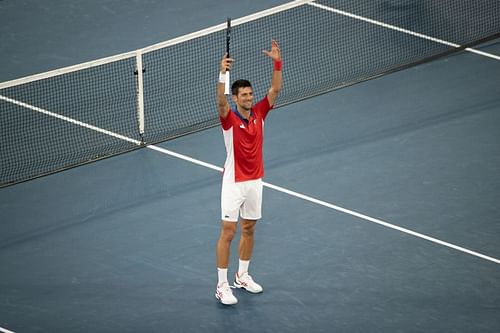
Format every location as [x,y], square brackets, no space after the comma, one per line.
[391,223]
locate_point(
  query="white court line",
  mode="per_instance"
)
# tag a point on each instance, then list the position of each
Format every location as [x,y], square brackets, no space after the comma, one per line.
[335,207]
[69,120]
[4,330]
[380,222]
[485,54]
[185,158]
[170,42]
[219,27]
[271,186]
[409,32]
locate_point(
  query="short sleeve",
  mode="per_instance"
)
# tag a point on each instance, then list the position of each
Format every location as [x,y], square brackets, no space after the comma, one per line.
[226,122]
[263,107]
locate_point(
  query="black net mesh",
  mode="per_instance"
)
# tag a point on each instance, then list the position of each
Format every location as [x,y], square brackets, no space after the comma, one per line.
[35,141]
[323,48]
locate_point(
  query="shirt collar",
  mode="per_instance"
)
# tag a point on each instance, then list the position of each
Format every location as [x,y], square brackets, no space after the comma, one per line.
[241,116]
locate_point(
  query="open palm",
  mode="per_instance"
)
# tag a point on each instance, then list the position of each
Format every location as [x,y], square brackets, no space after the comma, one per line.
[275,52]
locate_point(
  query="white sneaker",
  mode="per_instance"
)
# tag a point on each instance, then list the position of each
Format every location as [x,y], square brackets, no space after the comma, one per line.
[225,295]
[246,282]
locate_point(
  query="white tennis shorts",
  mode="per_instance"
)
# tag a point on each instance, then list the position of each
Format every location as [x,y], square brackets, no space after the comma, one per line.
[241,199]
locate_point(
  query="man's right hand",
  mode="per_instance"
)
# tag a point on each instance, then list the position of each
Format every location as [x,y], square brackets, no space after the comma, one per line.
[225,64]
[222,104]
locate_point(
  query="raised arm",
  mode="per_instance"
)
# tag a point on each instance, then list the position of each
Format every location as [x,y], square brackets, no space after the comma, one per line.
[222,104]
[277,78]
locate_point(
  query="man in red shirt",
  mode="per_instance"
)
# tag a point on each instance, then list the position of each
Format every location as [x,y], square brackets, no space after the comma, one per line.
[241,195]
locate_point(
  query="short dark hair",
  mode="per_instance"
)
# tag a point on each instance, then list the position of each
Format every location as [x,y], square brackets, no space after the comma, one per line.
[239,84]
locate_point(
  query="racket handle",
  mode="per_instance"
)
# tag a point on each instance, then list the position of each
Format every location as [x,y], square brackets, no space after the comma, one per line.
[226,85]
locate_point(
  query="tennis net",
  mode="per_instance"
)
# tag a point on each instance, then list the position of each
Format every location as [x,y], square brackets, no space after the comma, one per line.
[63,118]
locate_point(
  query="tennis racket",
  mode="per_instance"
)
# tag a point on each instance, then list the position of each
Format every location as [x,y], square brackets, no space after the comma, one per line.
[228,41]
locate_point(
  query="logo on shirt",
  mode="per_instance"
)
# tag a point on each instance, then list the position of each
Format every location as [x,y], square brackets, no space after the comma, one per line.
[242,126]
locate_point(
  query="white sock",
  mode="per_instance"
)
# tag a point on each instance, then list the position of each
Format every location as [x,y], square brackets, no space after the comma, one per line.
[222,273]
[243,267]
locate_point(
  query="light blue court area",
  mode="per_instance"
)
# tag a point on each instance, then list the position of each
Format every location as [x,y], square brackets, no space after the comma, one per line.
[380,215]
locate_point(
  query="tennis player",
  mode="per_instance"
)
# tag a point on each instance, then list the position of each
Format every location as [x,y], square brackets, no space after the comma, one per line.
[241,195]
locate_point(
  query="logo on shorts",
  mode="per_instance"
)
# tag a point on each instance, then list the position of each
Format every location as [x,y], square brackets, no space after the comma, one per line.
[226,216]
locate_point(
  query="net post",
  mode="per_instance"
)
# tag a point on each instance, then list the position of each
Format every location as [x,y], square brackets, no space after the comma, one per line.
[140,94]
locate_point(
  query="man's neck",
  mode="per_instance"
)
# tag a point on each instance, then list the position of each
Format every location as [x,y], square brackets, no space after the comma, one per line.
[244,113]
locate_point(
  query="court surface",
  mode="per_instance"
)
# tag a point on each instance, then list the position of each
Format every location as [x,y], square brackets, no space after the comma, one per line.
[127,244]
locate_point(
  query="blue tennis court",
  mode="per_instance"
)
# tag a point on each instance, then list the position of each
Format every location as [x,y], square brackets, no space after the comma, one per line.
[380,215]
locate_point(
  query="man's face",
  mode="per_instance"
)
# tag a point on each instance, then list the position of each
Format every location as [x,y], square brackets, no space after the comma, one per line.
[244,99]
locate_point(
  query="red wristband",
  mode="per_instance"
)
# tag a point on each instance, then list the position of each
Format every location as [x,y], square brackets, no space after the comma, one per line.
[277,65]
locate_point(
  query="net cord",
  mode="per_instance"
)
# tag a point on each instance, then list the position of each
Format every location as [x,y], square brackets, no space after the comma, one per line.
[154,47]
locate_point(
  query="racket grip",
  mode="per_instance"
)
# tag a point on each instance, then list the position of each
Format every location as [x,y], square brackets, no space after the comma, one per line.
[226,84]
